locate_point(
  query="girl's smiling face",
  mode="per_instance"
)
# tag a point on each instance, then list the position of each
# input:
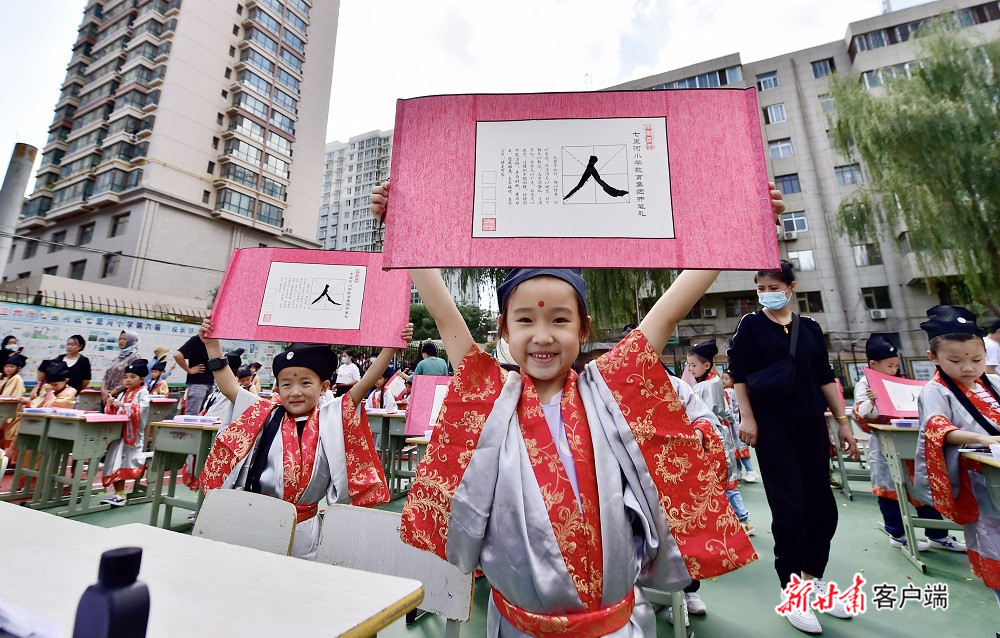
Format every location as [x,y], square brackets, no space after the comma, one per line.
[544,330]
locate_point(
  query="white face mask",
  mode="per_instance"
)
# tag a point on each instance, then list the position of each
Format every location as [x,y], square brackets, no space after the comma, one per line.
[371,360]
[345,360]
[11,346]
[773,300]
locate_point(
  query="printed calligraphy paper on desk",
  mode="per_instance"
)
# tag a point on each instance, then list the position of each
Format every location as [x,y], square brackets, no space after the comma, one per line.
[312,296]
[897,397]
[633,179]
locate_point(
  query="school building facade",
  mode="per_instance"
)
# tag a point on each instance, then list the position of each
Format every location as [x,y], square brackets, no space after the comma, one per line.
[852,290]
[185,129]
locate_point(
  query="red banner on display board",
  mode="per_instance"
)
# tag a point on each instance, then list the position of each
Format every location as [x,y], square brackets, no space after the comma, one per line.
[897,397]
[312,296]
[611,179]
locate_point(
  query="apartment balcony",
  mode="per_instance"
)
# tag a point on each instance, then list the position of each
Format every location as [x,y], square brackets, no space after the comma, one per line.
[173,8]
[33,212]
[914,274]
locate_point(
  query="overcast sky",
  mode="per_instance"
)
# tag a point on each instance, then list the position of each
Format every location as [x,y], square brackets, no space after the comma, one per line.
[402,48]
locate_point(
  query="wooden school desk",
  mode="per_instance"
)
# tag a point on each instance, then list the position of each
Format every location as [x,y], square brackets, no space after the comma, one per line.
[171,446]
[197,586]
[847,474]
[32,436]
[392,429]
[899,445]
[84,439]
[90,400]
[8,407]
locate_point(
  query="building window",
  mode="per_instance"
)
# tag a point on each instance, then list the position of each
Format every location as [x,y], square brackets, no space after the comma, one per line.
[823,68]
[210,169]
[118,225]
[767,81]
[872,40]
[876,297]
[794,221]
[77,268]
[802,260]
[235,202]
[232,52]
[904,243]
[109,266]
[827,103]
[695,312]
[85,234]
[204,196]
[51,270]
[30,248]
[809,301]
[739,306]
[788,183]
[871,79]
[774,114]
[780,148]
[867,255]
[58,239]
[849,174]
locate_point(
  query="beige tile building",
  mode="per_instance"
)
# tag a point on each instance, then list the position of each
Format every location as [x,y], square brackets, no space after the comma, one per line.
[185,129]
[852,290]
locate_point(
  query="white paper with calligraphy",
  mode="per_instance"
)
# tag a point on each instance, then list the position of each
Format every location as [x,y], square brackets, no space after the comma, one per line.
[313,296]
[573,178]
[897,397]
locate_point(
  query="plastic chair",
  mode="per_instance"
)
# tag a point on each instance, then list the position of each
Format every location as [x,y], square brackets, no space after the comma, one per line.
[247,519]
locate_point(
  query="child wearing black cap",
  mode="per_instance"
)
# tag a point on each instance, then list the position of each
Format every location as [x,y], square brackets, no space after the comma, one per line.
[310,446]
[124,460]
[11,385]
[558,486]
[884,357]
[959,407]
[246,377]
[157,386]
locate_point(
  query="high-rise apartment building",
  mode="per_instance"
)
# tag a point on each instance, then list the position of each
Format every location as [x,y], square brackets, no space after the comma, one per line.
[345,221]
[185,129]
[853,290]
[352,168]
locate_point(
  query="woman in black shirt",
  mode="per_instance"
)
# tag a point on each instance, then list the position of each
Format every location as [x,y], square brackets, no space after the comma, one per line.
[79,365]
[787,426]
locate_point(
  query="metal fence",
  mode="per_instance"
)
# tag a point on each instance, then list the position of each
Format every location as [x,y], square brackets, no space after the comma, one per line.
[102,305]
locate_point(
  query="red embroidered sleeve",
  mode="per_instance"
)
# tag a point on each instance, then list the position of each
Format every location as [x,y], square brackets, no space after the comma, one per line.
[233,445]
[963,508]
[365,477]
[690,480]
[473,390]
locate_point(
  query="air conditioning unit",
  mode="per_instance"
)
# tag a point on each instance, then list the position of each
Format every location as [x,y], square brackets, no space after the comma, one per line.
[790,235]
[878,314]
[134,137]
[709,313]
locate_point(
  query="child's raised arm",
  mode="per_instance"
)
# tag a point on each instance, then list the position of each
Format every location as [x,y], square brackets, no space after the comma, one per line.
[228,384]
[360,389]
[454,332]
[684,293]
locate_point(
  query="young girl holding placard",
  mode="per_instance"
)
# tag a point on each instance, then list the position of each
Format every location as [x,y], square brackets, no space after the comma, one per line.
[568,490]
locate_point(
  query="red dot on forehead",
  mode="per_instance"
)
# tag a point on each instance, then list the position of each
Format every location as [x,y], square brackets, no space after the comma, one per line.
[541,304]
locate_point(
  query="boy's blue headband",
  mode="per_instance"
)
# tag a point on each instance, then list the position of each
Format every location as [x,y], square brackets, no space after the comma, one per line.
[517,276]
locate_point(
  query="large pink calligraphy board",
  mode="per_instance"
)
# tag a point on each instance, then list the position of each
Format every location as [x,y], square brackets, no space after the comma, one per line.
[628,179]
[312,296]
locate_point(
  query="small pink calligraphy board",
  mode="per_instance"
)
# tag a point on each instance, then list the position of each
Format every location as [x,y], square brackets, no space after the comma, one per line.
[312,296]
[425,402]
[610,179]
[897,397]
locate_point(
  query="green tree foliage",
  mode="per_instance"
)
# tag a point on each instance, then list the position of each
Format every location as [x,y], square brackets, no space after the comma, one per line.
[929,143]
[476,318]
[615,297]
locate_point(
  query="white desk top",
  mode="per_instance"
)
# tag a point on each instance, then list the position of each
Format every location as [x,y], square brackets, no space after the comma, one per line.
[197,586]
